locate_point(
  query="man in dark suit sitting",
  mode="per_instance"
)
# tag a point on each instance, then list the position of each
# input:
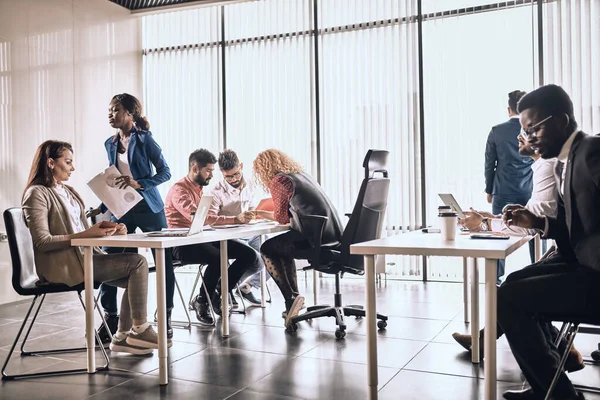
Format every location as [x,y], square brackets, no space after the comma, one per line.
[564,287]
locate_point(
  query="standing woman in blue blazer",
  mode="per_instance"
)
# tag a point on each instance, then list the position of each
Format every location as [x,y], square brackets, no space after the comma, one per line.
[142,166]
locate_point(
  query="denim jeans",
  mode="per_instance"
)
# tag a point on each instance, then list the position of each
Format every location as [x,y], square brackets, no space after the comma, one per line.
[499,201]
[254,274]
[140,216]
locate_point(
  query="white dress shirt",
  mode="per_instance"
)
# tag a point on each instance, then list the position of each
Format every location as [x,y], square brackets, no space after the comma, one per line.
[230,201]
[543,201]
[563,158]
[72,208]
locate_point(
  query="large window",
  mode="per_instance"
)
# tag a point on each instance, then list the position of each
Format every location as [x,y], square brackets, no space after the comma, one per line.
[471,63]
[262,80]
[182,85]
[268,80]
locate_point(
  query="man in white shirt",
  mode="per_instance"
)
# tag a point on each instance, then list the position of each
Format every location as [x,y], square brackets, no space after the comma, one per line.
[232,196]
[543,201]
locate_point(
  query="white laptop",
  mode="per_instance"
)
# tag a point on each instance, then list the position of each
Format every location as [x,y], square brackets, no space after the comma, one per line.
[197,225]
[449,200]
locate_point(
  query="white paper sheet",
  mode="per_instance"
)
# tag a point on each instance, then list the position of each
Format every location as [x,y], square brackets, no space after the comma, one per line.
[118,201]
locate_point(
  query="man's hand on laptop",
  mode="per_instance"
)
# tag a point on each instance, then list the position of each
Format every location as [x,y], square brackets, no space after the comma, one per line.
[472,221]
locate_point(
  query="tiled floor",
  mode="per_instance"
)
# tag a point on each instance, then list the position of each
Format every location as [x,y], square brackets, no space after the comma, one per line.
[417,356]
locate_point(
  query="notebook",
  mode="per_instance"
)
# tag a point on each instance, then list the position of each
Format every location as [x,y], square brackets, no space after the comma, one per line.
[197,225]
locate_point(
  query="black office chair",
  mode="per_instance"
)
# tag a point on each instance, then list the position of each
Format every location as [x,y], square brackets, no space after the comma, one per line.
[366,222]
[568,331]
[26,283]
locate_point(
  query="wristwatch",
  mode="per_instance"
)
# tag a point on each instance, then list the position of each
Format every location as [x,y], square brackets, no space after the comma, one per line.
[484,225]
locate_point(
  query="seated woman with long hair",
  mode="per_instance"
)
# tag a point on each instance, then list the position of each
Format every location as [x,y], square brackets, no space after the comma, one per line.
[291,189]
[54,213]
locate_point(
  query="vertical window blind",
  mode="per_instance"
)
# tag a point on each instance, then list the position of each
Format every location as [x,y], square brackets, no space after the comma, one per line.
[254,83]
[571,56]
[182,84]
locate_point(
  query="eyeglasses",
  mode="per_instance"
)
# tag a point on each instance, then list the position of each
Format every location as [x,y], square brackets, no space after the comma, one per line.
[532,131]
[233,176]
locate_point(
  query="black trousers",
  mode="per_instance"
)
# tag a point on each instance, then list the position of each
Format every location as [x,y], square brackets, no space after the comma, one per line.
[550,290]
[246,258]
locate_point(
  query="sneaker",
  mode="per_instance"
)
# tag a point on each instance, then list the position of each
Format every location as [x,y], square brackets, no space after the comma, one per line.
[113,322]
[123,347]
[293,310]
[246,293]
[203,315]
[147,339]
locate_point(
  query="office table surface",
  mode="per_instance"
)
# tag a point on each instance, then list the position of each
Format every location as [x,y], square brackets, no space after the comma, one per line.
[143,240]
[431,244]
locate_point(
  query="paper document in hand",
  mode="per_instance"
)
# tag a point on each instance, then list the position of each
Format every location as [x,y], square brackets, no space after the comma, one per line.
[118,201]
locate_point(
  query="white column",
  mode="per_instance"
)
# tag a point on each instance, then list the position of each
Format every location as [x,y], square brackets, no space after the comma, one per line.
[475,312]
[88,278]
[162,316]
[489,341]
[371,321]
[224,289]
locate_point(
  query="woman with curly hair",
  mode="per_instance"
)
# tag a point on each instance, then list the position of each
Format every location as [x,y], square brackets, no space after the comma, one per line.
[292,189]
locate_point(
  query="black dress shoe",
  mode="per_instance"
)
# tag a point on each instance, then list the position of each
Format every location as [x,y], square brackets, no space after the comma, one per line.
[113,322]
[169,327]
[526,394]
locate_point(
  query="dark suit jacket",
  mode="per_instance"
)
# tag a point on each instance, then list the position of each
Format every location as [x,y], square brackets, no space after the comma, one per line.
[506,171]
[580,219]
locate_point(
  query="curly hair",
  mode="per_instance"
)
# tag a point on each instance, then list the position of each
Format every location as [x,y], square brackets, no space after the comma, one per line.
[272,162]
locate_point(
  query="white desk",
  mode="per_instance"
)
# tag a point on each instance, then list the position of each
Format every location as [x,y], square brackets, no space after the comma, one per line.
[160,244]
[431,244]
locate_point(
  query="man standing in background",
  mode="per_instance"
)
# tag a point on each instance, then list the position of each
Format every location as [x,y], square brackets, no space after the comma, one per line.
[508,175]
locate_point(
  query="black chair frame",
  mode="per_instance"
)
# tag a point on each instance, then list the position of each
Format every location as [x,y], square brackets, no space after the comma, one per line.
[14,221]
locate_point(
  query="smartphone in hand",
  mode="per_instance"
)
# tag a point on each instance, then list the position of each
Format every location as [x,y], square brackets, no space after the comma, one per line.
[108,224]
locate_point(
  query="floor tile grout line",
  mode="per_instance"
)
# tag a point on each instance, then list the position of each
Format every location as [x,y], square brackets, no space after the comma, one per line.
[455,375]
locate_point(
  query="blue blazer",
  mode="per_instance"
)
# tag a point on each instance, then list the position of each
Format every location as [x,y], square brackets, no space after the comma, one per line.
[506,171]
[144,154]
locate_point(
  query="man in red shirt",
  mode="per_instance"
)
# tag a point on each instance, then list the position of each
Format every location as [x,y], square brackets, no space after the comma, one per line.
[182,200]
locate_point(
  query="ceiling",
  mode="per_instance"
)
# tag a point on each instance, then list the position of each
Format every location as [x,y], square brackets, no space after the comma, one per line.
[138,5]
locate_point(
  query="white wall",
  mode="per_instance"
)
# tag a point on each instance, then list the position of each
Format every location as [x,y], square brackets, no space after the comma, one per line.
[61,61]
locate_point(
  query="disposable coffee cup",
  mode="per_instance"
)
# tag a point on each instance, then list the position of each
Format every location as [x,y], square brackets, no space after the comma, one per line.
[448,225]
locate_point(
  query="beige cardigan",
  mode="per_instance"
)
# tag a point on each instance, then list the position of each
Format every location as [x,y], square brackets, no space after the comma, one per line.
[48,220]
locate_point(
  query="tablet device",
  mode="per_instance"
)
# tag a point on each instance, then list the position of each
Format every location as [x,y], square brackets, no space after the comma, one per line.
[449,200]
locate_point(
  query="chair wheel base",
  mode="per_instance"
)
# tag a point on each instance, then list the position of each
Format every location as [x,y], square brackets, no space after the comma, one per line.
[340,334]
[291,328]
[381,324]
